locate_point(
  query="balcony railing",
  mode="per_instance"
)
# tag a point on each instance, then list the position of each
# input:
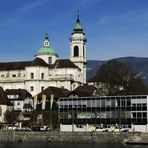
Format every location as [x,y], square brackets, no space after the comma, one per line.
[61,77]
[12,79]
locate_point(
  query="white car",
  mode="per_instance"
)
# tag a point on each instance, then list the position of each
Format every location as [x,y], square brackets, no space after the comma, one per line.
[44,128]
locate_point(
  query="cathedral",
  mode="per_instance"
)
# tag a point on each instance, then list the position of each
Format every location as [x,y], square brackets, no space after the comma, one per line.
[46,69]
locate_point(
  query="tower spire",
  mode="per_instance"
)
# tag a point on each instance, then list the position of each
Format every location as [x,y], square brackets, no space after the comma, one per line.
[78,27]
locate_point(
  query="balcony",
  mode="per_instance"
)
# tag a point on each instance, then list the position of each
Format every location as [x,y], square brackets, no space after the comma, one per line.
[12,79]
[67,77]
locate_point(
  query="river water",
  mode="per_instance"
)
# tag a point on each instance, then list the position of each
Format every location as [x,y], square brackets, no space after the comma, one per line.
[58,145]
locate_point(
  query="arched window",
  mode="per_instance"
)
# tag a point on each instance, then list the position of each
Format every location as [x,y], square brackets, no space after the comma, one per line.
[76,51]
[0,111]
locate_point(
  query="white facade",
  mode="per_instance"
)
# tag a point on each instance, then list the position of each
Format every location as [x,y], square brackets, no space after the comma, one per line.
[36,77]
[77,128]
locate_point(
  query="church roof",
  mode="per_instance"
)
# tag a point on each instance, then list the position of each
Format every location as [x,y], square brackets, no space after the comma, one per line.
[84,91]
[3,98]
[57,92]
[64,63]
[38,62]
[14,65]
[20,65]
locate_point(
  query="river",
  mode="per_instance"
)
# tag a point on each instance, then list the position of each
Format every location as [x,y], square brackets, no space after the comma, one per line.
[59,145]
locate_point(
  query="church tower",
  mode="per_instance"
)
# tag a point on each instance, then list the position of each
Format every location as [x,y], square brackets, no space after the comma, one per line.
[78,49]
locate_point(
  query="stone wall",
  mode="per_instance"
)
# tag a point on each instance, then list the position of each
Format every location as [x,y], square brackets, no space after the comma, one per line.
[68,137]
[11,136]
[91,137]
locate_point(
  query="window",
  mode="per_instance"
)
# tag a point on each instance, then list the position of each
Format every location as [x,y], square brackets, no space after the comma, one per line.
[46,43]
[2,76]
[144,115]
[42,88]
[49,60]
[134,115]
[76,51]
[31,88]
[13,75]
[42,75]
[19,74]
[32,75]
[7,75]
[138,115]
[18,103]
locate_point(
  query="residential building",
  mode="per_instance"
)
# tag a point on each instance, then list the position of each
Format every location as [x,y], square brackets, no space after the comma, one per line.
[20,98]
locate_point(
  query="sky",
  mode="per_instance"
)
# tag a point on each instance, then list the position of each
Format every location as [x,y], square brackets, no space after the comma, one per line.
[113,28]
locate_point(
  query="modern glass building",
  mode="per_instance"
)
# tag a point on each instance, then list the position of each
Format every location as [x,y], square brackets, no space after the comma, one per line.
[104,112]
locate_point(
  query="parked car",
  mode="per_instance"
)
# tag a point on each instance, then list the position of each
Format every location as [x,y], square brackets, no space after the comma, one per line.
[40,128]
[12,128]
[44,128]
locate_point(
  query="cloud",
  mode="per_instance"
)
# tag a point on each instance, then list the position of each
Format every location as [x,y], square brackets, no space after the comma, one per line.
[13,18]
[33,5]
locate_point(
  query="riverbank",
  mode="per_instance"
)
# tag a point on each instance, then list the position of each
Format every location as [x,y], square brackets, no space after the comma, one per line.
[68,137]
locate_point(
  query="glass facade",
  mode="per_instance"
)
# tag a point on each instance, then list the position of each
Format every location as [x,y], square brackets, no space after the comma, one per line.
[106,110]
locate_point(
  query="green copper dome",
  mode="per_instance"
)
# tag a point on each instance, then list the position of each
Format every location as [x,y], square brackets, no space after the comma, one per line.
[78,26]
[46,51]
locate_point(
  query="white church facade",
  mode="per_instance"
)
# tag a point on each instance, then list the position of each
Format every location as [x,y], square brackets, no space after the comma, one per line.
[47,69]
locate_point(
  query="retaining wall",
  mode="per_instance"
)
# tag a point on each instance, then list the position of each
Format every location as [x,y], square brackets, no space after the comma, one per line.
[68,137]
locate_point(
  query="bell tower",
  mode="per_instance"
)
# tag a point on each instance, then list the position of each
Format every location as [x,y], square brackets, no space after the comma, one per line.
[78,49]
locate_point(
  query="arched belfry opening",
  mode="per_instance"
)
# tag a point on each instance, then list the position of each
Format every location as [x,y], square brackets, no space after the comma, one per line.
[76,51]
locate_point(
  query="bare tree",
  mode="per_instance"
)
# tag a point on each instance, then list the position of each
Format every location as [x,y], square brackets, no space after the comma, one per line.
[120,79]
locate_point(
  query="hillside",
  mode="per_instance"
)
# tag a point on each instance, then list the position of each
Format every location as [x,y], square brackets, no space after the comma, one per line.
[140,65]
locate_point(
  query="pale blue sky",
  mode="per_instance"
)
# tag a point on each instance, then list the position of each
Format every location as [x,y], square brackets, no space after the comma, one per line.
[114,28]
